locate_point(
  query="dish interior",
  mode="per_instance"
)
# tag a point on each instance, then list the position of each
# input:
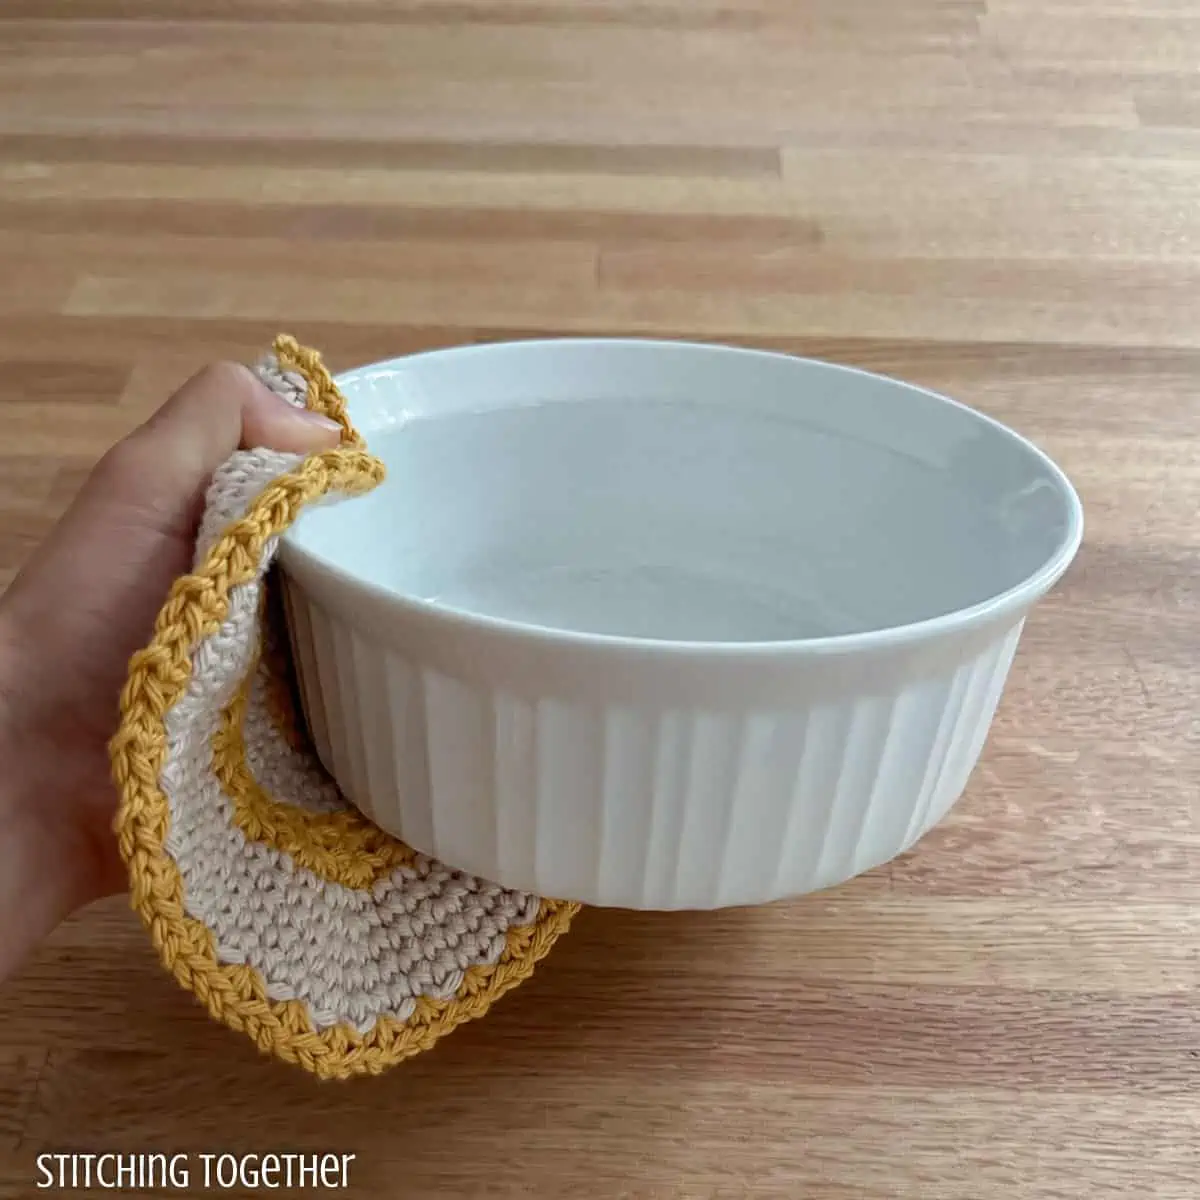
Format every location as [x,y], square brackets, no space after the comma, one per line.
[683,493]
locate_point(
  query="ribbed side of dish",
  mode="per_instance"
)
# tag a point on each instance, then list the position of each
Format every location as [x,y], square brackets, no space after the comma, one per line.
[645,808]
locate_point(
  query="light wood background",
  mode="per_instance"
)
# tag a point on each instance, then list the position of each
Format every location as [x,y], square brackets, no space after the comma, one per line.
[1000,199]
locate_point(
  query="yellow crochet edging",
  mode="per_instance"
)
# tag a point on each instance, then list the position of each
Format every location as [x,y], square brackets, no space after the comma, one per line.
[158,676]
[340,847]
[323,395]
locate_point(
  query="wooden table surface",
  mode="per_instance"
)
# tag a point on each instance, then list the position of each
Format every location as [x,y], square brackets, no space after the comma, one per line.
[998,198]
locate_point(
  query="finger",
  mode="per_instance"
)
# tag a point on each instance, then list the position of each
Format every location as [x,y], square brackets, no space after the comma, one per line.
[223,407]
[164,466]
[149,488]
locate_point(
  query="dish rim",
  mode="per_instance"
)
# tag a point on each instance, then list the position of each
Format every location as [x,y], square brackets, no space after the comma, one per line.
[1021,595]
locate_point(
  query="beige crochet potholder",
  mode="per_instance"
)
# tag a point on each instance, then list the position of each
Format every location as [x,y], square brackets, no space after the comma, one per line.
[290,916]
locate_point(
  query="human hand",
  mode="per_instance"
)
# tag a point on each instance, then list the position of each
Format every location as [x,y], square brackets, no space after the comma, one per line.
[71,620]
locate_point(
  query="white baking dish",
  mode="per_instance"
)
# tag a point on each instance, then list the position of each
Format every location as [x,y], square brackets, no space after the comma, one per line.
[664,625]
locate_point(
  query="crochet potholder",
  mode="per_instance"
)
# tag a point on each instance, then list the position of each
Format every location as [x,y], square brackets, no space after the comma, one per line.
[295,920]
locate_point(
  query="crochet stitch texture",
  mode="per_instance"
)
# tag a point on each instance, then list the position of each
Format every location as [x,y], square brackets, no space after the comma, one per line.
[293,919]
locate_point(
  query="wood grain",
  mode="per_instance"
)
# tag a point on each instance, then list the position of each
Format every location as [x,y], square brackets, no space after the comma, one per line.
[996,198]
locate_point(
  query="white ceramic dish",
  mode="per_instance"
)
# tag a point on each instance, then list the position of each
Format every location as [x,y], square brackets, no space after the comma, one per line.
[664,625]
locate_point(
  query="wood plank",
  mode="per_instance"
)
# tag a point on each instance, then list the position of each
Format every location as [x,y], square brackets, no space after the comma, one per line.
[991,198]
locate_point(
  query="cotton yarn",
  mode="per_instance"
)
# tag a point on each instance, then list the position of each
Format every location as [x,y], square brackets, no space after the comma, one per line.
[293,919]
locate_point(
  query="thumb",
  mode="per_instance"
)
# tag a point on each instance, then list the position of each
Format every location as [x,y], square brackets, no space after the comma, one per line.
[225,407]
[138,512]
[168,461]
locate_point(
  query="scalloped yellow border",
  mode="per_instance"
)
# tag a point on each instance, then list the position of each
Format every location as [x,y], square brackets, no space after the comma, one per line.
[195,609]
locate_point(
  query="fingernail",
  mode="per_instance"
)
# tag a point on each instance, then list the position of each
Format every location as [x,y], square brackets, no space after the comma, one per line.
[318,419]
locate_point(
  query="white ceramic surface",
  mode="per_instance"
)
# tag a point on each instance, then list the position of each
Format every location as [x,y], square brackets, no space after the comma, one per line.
[662,625]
